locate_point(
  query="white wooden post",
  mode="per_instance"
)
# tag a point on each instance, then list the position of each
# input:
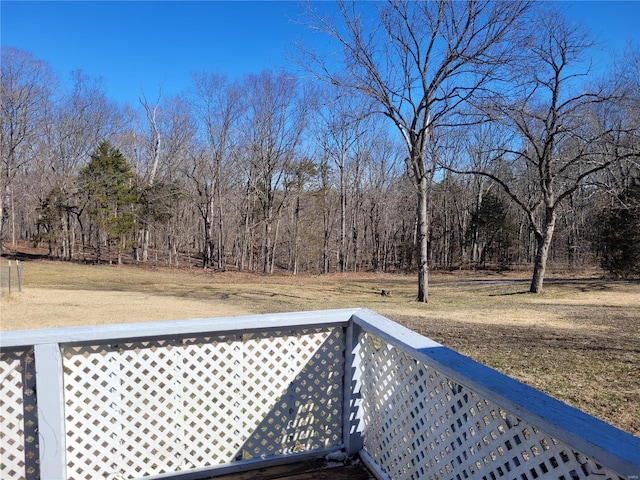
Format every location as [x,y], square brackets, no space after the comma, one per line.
[51,421]
[351,428]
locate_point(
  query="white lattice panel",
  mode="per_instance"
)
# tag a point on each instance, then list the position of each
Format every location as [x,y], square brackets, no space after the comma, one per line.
[294,386]
[92,410]
[160,406]
[211,376]
[18,435]
[419,424]
[150,408]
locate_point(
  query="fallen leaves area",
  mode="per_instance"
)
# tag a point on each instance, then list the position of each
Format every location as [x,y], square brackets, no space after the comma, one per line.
[578,341]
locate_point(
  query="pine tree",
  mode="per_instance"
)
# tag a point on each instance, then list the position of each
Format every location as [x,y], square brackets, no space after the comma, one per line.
[106,183]
[619,234]
[493,230]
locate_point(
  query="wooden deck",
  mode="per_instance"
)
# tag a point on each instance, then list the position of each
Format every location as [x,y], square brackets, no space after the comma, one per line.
[312,470]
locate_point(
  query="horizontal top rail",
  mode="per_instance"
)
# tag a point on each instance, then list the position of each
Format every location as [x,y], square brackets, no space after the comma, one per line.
[603,442]
[147,330]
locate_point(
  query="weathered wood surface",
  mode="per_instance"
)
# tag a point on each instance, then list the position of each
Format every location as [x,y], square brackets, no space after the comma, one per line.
[149,330]
[311,470]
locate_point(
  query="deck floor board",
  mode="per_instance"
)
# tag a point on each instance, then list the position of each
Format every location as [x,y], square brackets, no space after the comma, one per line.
[311,470]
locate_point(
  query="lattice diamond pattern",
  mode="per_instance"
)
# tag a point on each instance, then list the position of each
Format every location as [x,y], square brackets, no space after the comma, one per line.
[151,407]
[18,411]
[212,374]
[420,424]
[294,386]
[92,410]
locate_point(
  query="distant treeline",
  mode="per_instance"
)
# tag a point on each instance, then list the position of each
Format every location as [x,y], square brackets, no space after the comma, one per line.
[271,172]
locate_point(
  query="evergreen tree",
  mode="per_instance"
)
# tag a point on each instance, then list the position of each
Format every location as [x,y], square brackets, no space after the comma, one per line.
[106,183]
[619,234]
[493,230]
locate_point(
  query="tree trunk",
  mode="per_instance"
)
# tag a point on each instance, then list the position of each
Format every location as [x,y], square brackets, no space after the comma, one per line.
[207,250]
[3,194]
[423,241]
[244,244]
[325,248]
[355,227]
[342,260]
[222,257]
[145,244]
[274,245]
[266,242]
[119,250]
[293,264]
[266,247]
[63,235]
[98,246]
[13,220]
[155,148]
[543,243]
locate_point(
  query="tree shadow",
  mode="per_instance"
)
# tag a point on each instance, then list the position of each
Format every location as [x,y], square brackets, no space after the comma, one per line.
[23,256]
[298,415]
[510,294]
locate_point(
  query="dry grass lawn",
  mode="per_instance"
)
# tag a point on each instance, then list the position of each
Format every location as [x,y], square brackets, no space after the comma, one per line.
[579,341]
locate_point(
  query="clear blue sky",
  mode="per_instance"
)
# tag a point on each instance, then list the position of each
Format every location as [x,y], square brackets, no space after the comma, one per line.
[141,44]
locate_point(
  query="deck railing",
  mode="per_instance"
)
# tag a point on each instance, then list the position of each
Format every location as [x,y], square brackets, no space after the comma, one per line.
[206,397]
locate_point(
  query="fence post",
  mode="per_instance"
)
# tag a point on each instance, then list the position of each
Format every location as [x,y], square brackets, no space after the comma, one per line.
[19,275]
[9,276]
[51,421]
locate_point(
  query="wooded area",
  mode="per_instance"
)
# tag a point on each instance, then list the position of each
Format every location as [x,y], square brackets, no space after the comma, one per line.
[512,151]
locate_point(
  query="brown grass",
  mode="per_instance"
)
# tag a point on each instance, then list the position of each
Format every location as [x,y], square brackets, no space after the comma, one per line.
[579,341]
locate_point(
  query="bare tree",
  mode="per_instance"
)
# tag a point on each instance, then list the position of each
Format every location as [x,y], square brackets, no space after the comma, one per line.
[217,107]
[340,123]
[301,173]
[325,203]
[25,91]
[564,130]
[274,121]
[420,62]
[153,142]
[381,172]
[166,137]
